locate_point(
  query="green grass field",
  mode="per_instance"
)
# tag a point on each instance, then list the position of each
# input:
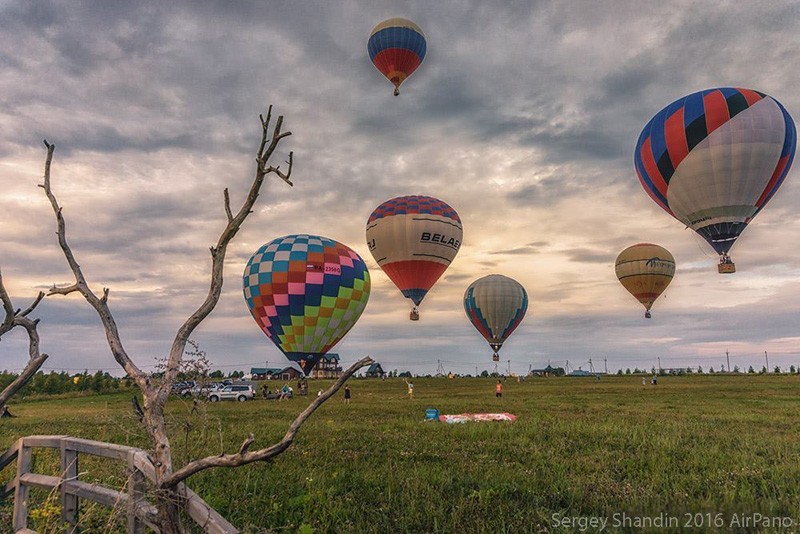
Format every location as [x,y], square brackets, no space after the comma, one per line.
[699,444]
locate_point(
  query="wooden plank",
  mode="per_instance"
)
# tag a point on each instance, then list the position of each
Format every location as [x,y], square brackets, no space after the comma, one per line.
[20,519]
[10,455]
[39,481]
[140,512]
[98,448]
[143,464]
[111,498]
[205,516]
[9,488]
[70,504]
[95,493]
[48,442]
[136,489]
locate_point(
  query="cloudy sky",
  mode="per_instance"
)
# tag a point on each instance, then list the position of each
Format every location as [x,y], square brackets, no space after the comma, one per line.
[523,117]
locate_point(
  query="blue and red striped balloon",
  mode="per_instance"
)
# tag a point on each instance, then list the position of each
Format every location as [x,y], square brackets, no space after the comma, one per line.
[713,159]
[396,47]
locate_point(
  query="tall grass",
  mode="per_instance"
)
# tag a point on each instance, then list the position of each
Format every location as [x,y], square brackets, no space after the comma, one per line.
[719,444]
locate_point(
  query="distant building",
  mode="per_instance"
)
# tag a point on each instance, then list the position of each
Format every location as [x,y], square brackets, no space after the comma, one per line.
[265,373]
[327,367]
[579,372]
[375,371]
[289,373]
[548,371]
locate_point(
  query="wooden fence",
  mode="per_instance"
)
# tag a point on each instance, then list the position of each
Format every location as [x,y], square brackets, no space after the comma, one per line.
[140,513]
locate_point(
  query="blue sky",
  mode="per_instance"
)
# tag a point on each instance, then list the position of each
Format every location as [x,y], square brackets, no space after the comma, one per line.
[523,117]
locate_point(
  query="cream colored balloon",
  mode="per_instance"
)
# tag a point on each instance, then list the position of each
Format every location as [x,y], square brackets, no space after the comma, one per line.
[645,270]
[414,239]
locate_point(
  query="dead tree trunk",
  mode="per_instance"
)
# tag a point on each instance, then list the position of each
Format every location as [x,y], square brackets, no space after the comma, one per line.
[14,318]
[155,394]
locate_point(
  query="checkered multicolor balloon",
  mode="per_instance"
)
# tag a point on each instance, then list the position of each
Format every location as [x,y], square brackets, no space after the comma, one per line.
[306,292]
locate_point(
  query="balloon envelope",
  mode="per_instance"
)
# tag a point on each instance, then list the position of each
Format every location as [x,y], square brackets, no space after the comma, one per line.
[396,47]
[645,270]
[306,292]
[714,159]
[414,239]
[495,305]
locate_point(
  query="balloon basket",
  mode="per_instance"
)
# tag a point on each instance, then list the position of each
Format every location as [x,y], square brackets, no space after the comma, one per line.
[647,315]
[726,268]
[414,315]
[496,358]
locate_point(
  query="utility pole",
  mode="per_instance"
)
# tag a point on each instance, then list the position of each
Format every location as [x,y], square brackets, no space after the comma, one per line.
[476,371]
[566,367]
[509,367]
[605,361]
[728,356]
[439,367]
[766,358]
[591,366]
[659,365]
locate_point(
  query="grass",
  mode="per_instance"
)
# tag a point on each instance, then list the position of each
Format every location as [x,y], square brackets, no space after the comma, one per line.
[697,444]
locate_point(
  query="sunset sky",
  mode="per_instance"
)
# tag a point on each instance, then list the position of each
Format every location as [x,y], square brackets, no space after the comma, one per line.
[523,117]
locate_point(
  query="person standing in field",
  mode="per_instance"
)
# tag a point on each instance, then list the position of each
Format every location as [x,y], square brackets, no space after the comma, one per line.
[644,382]
[410,388]
[347,394]
[498,390]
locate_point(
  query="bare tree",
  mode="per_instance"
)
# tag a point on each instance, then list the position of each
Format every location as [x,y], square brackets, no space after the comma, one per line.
[169,480]
[14,318]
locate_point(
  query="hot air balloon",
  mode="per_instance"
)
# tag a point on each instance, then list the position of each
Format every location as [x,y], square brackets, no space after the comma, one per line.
[714,159]
[495,306]
[645,270]
[414,239]
[396,47]
[306,292]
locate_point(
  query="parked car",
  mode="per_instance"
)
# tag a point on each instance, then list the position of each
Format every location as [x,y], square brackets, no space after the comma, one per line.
[201,390]
[179,387]
[240,393]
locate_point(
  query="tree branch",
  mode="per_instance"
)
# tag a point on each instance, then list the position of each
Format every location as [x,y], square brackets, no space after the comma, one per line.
[98,303]
[8,321]
[244,457]
[13,319]
[33,305]
[266,148]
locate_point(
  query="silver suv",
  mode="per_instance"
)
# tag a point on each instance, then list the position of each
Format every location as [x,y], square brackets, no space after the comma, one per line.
[240,393]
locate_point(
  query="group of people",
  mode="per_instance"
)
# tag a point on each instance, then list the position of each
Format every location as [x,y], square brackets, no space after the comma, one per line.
[284,393]
[287,392]
[653,381]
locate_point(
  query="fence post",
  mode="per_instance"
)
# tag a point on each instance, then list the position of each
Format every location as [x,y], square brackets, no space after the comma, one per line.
[136,491]
[20,519]
[69,503]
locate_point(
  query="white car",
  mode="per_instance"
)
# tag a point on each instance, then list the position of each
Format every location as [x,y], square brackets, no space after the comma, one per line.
[240,393]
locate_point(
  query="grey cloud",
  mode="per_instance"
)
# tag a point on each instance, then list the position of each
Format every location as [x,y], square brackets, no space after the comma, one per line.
[154,110]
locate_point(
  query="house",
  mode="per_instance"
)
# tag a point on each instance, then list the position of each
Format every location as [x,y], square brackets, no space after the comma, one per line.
[265,373]
[288,373]
[375,371]
[327,367]
[548,371]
